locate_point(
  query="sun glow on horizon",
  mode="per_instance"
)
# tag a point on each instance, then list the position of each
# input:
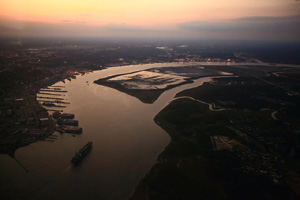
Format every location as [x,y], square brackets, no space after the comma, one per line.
[214,19]
[140,12]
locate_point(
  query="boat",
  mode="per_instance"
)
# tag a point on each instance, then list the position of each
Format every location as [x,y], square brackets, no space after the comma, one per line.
[48,104]
[69,129]
[70,122]
[63,115]
[81,153]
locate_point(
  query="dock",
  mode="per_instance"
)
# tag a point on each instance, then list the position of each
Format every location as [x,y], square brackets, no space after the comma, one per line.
[48,90]
[50,94]
[56,86]
[41,97]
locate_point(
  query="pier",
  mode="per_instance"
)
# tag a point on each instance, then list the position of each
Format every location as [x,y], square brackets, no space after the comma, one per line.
[56,86]
[50,94]
[41,97]
[48,90]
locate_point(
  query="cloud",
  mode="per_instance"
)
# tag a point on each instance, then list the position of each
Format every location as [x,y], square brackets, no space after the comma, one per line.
[207,26]
[124,27]
[268,19]
[80,22]
[4,30]
[245,23]
[287,27]
[65,21]
[246,28]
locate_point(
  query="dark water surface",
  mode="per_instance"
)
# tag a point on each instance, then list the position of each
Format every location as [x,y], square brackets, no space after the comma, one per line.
[126,143]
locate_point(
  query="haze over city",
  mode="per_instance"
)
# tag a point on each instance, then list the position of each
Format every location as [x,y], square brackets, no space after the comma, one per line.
[189,19]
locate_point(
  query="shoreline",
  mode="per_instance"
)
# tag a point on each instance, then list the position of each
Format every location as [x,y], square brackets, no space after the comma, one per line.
[10,145]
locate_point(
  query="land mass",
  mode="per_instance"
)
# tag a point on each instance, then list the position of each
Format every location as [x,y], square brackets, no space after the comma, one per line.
[148,85]
[243,145]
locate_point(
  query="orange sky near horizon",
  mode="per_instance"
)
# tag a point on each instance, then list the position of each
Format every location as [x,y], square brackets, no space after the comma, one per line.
[141,12]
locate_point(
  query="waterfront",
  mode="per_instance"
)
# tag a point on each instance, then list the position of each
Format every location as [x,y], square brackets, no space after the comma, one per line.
[122,152]
[126,143]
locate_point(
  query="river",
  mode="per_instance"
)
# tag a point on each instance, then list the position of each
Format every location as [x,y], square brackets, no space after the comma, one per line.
[126,143]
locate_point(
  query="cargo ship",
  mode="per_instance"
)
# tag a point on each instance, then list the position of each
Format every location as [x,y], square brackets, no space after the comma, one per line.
[69,129]
[81,153]
[49,104]
[70,122]
[62,115]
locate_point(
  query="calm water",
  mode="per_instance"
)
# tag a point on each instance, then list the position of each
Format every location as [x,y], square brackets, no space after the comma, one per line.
[126,143]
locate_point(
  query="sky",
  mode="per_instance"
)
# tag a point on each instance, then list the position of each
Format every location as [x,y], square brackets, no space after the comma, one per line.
[203,19]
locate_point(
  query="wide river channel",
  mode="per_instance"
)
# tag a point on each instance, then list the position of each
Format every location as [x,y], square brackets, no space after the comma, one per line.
[126,143]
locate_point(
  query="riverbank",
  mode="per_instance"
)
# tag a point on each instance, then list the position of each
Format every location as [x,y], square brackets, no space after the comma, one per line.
[189,167]
[127,143]
[25,121]
[147,85]
[224,141]
[144,95]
